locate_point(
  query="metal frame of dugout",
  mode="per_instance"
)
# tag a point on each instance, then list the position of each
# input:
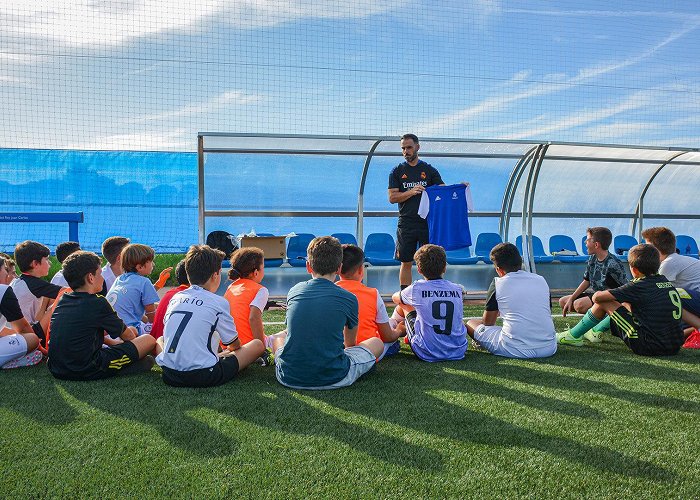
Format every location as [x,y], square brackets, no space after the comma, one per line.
[526,169]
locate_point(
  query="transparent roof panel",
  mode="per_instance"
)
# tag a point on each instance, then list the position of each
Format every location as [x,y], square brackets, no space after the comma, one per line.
[596,153]
[291,144]
[674,190]
[435,147]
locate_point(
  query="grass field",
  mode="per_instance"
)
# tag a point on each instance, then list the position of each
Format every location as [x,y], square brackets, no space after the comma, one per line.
[588,422]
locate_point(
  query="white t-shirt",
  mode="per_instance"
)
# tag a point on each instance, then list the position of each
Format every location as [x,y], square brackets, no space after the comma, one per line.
[194,322]
[108,275]
[523,301]
[682,271]
[59,280]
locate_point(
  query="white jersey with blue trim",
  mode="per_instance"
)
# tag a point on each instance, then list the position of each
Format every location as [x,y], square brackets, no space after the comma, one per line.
[440,333]
[195,321]
[446,209]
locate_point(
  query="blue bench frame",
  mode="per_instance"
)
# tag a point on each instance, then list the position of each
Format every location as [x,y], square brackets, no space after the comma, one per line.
[72,218]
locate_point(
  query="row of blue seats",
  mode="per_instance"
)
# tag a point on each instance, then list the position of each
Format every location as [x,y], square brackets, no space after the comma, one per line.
[379,249]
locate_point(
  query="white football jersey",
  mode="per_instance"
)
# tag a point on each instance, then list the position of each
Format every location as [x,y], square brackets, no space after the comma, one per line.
[194,322]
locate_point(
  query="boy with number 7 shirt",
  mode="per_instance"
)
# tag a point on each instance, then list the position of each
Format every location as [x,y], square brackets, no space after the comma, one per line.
[195,321]
[645,313]
[433,309]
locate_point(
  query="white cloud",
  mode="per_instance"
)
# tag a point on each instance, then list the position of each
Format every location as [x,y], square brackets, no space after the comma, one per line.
[175,140]
[635,101]
[105,23]
[231,97]
[553,83]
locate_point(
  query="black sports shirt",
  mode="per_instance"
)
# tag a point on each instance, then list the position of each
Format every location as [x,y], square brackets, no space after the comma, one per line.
[405,177]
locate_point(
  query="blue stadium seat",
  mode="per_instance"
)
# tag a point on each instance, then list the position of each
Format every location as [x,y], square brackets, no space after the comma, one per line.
[271,262]
[345,238]
[621,245]
[461,256]
[296,249]
[484,243]
[537,249]
[559,242]
[379,250]
[583,244]
[687,245]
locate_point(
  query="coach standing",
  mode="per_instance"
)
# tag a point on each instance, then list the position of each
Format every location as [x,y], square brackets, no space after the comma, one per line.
[406,183]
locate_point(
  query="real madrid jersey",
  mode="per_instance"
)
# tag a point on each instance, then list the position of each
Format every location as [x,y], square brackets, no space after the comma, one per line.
[446,208]
[195,321]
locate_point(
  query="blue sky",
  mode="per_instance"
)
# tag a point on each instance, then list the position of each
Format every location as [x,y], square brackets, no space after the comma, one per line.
[148,75]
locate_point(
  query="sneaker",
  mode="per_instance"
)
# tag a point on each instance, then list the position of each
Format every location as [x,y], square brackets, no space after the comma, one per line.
[693,340]
[593,336]
[267,359]
[31,359]
[565,337]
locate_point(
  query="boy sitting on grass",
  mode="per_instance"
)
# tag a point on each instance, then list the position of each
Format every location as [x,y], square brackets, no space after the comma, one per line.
[645,313]
[373,317]
[189,345]
[79,323]
[321,349]
[18,344]
[33,293]
[133,295]
[63,250]
[112,250]
[433,309]
[603,271]
[183,283]
[523,301]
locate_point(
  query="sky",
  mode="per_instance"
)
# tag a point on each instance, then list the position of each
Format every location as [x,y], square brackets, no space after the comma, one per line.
[150,74]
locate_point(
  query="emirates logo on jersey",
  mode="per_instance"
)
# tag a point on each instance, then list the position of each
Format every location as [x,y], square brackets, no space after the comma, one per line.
[404,176]
[422,175]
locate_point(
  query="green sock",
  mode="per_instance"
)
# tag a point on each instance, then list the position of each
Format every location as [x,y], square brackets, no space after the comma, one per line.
[603,326]
[587,322]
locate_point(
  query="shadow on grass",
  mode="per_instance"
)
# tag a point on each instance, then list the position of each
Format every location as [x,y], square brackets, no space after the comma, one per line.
[618,360]
[168,410]
[33,393]
[431,415]
[585,386]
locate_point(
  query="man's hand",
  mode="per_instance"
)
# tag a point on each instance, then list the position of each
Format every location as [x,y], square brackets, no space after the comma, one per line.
[417,189]
[567,307]
[465,183]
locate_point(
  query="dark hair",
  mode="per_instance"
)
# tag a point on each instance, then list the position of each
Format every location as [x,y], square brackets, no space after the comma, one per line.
[353,258]
[662,238]
[66,248]
[602,235]
[78,265]
[29,251]
[431,261]
[181,274]
[113,246]
[413,137]
[325,255]
[136,254]
[507,257]
[245,261]
[644,258]
[201,262]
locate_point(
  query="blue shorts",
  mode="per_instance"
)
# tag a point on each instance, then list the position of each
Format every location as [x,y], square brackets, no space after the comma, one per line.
[361,361]
[491,339]
[690,299]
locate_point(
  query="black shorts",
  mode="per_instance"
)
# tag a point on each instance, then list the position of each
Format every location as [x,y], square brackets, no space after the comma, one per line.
[121,359]
[220,373]
[408,239]
[623,324]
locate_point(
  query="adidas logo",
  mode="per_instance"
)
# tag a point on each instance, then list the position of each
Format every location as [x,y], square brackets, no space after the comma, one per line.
[437,198]
[454,196]
[404,176]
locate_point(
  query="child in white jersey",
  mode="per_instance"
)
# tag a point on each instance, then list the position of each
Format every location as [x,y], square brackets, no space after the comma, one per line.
[195,321]
[433,309]
[523,301]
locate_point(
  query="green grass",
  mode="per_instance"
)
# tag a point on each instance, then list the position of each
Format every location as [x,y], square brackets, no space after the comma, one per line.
[595,421]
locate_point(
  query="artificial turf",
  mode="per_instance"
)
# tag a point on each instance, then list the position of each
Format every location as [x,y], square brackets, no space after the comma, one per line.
[594,421]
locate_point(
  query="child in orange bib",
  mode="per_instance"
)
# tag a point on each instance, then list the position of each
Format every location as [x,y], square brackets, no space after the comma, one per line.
[246,296]
[374,320]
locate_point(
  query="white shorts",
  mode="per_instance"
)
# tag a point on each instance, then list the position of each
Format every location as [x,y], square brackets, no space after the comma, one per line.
[11,347]
[491,338]
[361,361]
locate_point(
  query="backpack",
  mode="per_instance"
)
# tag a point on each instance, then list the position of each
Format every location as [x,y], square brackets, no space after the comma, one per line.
[221,240]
